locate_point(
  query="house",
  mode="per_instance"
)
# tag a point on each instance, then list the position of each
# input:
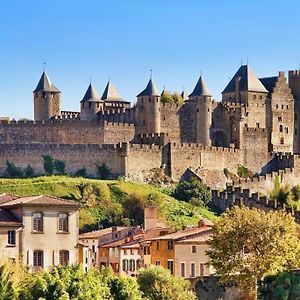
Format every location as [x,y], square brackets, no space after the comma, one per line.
[41,231]
[182,252]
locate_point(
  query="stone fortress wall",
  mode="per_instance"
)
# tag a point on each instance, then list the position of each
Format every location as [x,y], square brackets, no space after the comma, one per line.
[252,121]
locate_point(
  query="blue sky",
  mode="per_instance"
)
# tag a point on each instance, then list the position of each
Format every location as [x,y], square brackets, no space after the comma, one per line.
[123,40]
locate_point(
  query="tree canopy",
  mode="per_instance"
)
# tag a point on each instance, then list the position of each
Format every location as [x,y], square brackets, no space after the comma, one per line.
[168,97]
[249,244]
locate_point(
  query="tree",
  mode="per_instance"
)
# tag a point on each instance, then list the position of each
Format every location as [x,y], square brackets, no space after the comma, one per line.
[80,173]
[48,164]
[124,288]
[173,98]
[249,244]
[29,171]
[12,170]
[158,284]
[192,190]
[295,192]
[279,192]
[103,171]
[59,166]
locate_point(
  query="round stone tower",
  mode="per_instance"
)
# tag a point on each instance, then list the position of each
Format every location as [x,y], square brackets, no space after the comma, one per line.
[202,100]
[46,99]
[148,110]
[90,105]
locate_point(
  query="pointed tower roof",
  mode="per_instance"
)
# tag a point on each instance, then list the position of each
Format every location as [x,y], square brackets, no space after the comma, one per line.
[91,95]
[110,93]
[200,89]
[45,84]
[184,95]
[150,90]
[248,81]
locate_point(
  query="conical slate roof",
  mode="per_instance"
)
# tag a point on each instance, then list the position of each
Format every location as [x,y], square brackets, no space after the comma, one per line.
[91,95]
[248,81]
[110,93]
[150,90]
[45,85]
[200,89]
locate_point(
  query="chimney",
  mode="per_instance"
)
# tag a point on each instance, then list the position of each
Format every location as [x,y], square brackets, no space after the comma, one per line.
[237,88]
[150,218]
[201,223]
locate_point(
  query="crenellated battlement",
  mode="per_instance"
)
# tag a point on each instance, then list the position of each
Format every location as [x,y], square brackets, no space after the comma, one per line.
[122,124]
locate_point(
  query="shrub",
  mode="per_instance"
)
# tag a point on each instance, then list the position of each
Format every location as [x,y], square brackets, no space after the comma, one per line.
[59,166]
[192,190]
[243,172]
[103,171]
[48,164]
[279,192]
[295,192]
[29,171]
[12,170]
[80,173]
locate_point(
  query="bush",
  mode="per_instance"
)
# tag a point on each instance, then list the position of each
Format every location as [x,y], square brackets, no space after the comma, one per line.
[103,171]
[192,190]
[295,192]
[80,173]
[12,170]
[29,171]
[59,166]
[48,164]
[243,172]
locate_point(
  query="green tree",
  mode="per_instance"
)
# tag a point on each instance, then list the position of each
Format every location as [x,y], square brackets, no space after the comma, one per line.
[59,166]
[157,283]
[134,209]
[80,173]
[173,98]
[12,170]
[192,190]
[243,172]
[295,191]
[279,192]
[125,288]
[103,171]
[249,244]
[48,164]
[28,171]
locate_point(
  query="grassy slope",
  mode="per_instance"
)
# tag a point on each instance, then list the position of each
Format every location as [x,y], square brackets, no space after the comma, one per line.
[174,212]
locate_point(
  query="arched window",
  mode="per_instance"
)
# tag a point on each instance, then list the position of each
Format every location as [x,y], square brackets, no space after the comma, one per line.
[64,257]
[37,222]
[63,225]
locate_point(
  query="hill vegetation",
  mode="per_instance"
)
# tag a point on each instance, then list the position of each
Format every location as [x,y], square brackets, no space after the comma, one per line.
[109,202]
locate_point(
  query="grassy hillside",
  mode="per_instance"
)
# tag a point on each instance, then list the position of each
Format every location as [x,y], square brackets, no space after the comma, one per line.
[109,202]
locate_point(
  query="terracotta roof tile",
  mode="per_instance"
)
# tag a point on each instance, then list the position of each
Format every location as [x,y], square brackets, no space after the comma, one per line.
[98,233]
[6,198]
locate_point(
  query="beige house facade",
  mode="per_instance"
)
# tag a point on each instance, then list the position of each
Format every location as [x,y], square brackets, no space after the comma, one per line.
[41,231]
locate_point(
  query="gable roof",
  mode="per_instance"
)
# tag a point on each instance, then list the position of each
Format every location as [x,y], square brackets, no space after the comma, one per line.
[200,89]
[8,219]
[110,93]
[99,233]
[91,95]
[150,90]
[248,81]
[40,200]
[45,85]
[6,198]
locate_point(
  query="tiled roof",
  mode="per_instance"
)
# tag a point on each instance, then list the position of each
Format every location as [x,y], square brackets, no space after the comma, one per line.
[6,198]
[181,234]
[124,242]
[150,90]
[45,85]
[99,233]
[8,219]
[248,81]
[197,239]
[40,200]
[200,89]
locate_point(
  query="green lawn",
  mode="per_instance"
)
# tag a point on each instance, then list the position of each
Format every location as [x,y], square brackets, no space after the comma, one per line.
[109,202]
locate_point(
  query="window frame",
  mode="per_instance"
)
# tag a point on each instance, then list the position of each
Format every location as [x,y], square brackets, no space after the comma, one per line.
[64,260]
[37,227]
[35,260]
[63,223]
[11,238]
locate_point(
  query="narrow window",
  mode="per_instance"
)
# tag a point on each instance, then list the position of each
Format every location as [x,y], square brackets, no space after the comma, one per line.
[182,269]
[132,265]
[193,270]
[90,104]
[282,141]
[170,245]
[63,222]
[286,130]
[157,246]
[280,128]
[64,257]
[170,266]
[201,269]
[157,262]
[37,222]
[11,237]
[125,265]
[257,125]
[280,119]
[38,258]
[194,249]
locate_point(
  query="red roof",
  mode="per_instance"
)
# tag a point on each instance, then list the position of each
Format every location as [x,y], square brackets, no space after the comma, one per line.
[6,198]
[40,200]
[99,233]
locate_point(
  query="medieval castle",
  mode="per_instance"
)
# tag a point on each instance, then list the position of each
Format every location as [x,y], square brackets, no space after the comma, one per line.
[257,125]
